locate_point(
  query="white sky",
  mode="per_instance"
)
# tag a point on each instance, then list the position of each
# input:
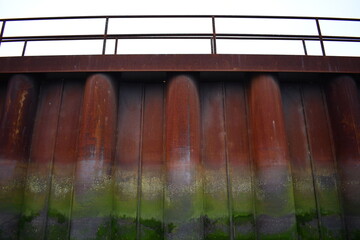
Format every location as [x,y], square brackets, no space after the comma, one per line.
[314,8]
[45,8]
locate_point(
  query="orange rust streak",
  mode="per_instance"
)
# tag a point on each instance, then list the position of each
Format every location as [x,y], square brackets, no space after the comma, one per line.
[97,129]
[182,121]
[267,122]
[18,118]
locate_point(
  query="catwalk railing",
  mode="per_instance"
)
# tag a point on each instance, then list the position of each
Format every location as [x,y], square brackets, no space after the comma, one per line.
[307,31]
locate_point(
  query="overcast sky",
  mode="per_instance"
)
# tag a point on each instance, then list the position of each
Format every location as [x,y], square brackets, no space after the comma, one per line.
[48,8]
[45,8]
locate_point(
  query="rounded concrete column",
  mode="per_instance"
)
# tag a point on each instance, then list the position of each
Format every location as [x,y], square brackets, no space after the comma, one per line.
[16,127]
[344,112]
[92,204]
[275,213]
[183,200]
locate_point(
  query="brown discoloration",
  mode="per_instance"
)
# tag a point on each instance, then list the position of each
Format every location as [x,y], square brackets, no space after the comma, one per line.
[152,165]
[3,84]
[239,158]
[324,165]
[237,127]
[129,126]
[344,109]
[66,141]
[97,128]
[183,190]
[128,156]
[344,112]
[41,158]
[214,160]
[180,62]
[153,125]
[295,126]
[267,122]
[213,126]
[45,128]
[65,155]
[96,144]
[18,118]
[16,126]
[182,121]
[301,165]
[274,190]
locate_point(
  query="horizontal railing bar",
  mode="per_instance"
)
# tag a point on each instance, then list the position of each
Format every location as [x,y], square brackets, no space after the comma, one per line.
[175,35]
[181,16]
[181,36]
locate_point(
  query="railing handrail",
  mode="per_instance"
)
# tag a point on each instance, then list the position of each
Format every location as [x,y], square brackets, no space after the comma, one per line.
[180,16]
[212,35]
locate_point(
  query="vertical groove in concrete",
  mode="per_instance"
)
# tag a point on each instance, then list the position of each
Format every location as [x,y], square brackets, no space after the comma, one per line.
[344,111]
[3,88]
[65,155]
[183,206]
[152,179]
[127,160]
[16,124]
[301,164]
[324,168]
[92,206]
[275,214]
[214,162]
[39,174]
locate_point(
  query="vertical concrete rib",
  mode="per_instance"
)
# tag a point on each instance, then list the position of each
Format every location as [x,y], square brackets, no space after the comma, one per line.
[240,170]
[16,126]
[92,203]
[183,200]
[39,172]
[214,161]
[3,89]
[344,112]
[274,191]
[152,179]
[127,160]
[60,198]
[324,169]
[301,165]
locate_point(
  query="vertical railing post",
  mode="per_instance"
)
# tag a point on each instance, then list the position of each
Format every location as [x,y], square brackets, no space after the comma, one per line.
[304,45]
[214,36]
[105,35]
[320,37]
[2,31]
[24,49]
[116,46]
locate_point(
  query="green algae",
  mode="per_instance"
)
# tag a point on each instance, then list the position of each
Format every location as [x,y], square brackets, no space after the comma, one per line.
[289,234]
[124,228]
[243,219]
[218,228]
[26,229]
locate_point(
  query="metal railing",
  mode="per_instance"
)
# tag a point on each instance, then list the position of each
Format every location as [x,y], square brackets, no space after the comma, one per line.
[211,36]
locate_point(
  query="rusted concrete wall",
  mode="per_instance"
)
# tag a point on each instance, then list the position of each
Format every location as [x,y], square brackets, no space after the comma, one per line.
[179,156]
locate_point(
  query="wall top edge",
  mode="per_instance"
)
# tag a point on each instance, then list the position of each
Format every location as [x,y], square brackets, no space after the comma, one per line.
[180,63]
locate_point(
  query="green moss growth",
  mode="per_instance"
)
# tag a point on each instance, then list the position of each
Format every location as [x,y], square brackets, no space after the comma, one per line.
[354,234]
[60,218]
[26,230]
[56,232]
[290,233]
[243,219]
[217,235]
[218,228]
[306,217]
[59,229]
[170,227]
